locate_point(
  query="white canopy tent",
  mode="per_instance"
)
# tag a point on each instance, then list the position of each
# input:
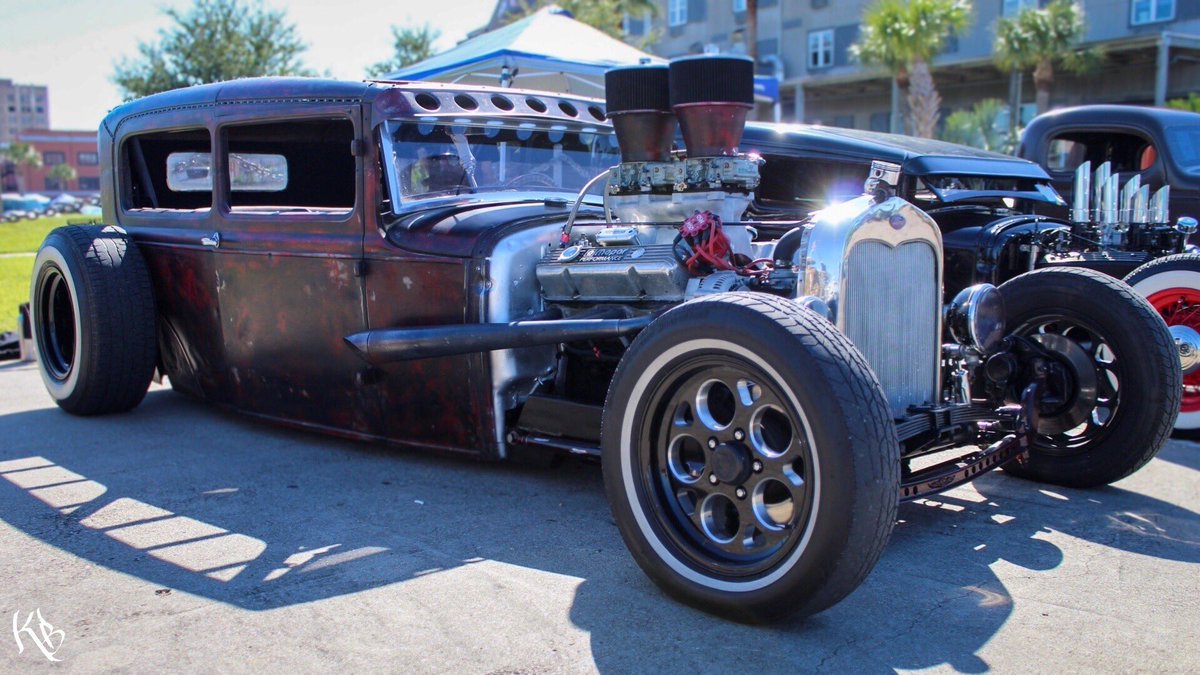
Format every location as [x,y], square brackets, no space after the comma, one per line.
[548,50]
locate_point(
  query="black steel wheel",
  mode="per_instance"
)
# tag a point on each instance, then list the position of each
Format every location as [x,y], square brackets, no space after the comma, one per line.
[1112,390]
[92,314]
[750,457]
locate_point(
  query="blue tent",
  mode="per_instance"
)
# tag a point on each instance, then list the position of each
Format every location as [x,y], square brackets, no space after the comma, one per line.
[548,50]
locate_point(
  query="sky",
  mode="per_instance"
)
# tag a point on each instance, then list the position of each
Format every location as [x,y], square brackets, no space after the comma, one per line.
[71,45]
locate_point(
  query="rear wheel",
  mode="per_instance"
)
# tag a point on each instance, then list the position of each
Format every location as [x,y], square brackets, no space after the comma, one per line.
[1172,286]
[92,313]
[1113,392]
[750,458]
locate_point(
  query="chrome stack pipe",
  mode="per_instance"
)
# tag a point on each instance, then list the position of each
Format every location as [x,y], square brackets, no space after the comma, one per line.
[1141,209]
[1109,200]
[1159,203]
[1081,211]
[1099,183]
[1128,196]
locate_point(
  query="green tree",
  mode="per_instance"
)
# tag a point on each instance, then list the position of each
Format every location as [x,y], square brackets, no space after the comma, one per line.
[409,45]
[1192,103]
[978,126]
[215,40]
[17,156]
[63,173]
[903,36]
[605,15]
[1042,39]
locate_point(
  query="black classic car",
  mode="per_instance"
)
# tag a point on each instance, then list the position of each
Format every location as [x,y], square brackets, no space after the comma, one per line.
[1157,150]
[1002,216]
[421,264]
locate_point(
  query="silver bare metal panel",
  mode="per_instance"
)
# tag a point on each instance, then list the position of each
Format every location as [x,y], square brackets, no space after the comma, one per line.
[891,308]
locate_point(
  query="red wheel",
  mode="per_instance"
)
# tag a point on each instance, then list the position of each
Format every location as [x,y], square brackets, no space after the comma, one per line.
[1181,307]
[1172,286]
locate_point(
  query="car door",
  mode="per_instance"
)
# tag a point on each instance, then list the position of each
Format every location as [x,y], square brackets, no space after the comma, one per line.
[289,249]
[169,214]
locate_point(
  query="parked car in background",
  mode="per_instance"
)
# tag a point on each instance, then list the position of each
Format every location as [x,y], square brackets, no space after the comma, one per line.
[418,263]
[995,214]
[1156,148]
[25,206]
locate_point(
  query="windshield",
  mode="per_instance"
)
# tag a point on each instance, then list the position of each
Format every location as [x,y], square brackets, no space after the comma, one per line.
[1184,142]
[436,158]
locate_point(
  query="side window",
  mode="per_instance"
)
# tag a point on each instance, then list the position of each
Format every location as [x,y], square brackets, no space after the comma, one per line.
[145,166]
[1127,152]
[305,164]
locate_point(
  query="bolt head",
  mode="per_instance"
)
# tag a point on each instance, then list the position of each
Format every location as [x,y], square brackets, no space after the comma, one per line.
[757,466]
[712,443]
[712,479]
[741,493]
[739,434]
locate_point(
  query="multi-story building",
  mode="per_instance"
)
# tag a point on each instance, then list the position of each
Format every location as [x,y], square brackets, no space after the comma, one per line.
[1152,50]
[22,106]
[77,149]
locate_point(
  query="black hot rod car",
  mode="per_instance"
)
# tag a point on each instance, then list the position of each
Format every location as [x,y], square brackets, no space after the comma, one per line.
[1002,216]
[419,263]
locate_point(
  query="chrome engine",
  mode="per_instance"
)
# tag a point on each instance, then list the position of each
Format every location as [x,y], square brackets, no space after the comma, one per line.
[872,265]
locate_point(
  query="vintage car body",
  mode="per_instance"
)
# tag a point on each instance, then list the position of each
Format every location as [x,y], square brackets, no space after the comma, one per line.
[420,264]
[1161,146]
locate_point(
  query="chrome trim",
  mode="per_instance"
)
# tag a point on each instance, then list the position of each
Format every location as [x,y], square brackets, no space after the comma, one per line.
[833,236]
[1159,205]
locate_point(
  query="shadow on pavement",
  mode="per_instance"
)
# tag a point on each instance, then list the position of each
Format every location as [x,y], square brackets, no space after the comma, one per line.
[187,498]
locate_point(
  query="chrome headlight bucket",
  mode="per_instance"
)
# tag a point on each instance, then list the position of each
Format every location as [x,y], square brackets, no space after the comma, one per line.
[975,317]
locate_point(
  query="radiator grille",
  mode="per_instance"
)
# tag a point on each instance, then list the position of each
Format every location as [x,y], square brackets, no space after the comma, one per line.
[890,311]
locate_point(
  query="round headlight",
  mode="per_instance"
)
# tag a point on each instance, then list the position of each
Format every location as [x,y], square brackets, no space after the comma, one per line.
[975,317]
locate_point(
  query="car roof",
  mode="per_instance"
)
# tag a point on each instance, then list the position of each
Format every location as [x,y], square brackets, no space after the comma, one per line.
[1110,114]
[916,156]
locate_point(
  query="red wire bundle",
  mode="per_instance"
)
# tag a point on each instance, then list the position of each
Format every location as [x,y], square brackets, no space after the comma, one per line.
[709,243]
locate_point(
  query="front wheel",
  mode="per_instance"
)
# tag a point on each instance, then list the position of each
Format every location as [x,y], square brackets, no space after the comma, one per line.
[1172,286]
[750,458]
[1112,395]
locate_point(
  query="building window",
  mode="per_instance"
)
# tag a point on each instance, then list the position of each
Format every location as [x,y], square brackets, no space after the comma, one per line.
[820,49]
[87,158]
[50,158]
[739,5]
[677,12]
[1151,11]
[1014,7]
[89,183]
[55,185]
[635,25]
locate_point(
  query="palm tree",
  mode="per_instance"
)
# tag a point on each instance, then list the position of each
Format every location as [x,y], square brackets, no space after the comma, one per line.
[1040,39]
[977,126]
[903,36]
[63,173]
[16,156]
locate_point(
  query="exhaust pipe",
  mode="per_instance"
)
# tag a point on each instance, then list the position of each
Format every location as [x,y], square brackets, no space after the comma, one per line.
[1109,200]
[387,345]
[1082,196]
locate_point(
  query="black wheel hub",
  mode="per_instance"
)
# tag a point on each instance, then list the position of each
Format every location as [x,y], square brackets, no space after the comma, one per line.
[731,463]
[726,465]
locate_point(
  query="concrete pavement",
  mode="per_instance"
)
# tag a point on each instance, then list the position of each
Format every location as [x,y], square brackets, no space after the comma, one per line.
[180,538]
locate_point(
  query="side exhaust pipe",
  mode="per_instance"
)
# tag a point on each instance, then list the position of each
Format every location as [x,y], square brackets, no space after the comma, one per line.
[387,345]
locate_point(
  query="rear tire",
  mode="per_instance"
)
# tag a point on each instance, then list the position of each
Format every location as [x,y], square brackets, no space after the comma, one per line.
[1121,397]
[93,318]
[1172,286]
[750,458]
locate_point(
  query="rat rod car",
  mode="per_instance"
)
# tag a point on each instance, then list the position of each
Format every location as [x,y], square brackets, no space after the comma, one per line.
[419,263]
[1001,216]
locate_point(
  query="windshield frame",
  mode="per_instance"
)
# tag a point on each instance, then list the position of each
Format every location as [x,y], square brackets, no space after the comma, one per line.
[468,190]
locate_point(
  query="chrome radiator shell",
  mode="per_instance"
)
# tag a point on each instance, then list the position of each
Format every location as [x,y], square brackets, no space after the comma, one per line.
[879,269]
